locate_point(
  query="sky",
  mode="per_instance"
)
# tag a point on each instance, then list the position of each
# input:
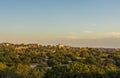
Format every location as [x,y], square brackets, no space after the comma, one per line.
[84,23]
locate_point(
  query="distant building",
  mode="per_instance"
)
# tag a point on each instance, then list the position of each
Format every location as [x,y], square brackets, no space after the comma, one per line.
[60,46]
[21,47]
[1,44]
[6,44]
[33,45]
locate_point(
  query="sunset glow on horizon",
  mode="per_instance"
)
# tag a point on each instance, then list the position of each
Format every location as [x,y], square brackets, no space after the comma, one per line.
[86,23]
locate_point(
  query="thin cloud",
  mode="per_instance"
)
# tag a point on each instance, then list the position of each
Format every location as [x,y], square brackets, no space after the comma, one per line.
[113,34]
[88,31]
[69,37]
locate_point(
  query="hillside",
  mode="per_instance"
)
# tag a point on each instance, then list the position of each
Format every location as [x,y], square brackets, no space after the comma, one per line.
[38,61]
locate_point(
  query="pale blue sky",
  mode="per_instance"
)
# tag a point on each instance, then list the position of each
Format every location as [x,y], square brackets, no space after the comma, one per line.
[93,23]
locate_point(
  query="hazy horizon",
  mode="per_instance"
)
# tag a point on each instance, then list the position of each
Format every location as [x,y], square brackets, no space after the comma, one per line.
[86,23]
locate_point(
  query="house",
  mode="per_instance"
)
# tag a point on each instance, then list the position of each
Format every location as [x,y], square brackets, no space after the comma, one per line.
[60,46]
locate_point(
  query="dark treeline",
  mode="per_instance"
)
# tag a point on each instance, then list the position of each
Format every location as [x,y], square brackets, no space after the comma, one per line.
[37,61]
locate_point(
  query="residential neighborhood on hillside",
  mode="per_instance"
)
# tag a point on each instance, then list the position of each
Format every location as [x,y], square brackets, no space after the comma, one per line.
[40,61]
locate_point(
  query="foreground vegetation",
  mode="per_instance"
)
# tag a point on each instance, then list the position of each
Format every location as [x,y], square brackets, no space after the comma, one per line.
[37,61]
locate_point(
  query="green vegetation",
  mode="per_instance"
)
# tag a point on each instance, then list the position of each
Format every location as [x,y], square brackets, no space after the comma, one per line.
[37,61]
